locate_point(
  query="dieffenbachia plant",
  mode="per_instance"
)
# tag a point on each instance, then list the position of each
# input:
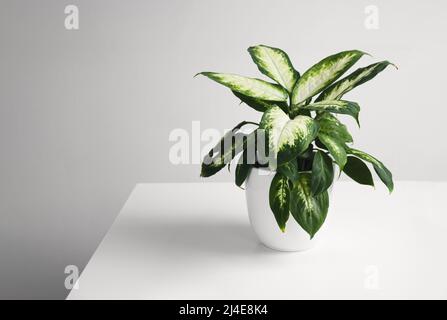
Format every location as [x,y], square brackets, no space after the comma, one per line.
[304,137]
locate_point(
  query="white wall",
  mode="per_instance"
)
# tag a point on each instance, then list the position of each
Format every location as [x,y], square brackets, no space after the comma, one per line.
[86,114]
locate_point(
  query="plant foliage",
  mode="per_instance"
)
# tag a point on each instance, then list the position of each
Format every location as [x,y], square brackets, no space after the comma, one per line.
[303,137]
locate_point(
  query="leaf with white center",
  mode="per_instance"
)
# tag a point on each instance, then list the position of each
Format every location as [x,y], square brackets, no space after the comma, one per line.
[296,137]
[322,74]
[275,64]
[251,87]
[330,125]
[231,144]
[273,121]
[287,138]
[279,199]
[336,148]
[358,77]
[384,174]
[336,106]
[308,210]
[322,173]
[358,171]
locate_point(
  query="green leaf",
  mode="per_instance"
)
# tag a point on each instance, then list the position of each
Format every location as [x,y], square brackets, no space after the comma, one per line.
[319,144]
[260,105]
[231,144]
[279,198]
[287,138]
[322,173]
[330,125]
[275,64]
[242,172]
[336,106]
[358,77]
[243,167]
[251,87]
[358,171]
[322,74]
[382,171]
[336,148]
[308,210]
[289,169]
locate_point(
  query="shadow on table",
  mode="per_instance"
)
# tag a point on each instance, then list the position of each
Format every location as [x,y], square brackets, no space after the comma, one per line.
[192,237]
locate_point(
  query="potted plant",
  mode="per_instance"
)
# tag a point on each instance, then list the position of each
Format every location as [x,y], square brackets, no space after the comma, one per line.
[290,157]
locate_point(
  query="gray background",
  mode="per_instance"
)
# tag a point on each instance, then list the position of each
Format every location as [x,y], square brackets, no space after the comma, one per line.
[86,114]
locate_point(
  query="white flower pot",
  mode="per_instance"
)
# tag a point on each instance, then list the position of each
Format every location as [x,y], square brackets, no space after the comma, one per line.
[263,221]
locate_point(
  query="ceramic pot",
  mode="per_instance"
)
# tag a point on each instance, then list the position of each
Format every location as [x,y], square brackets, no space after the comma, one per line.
[263,221]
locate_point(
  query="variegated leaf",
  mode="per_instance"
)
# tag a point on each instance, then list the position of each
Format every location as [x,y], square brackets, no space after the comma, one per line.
[295,138]
[260,105]
[322,74]
[358,77]
[231,144]
[384,174]
[322,173]
[279,198]
[290,169]
[275,64]
[336,106]
[251,87]
[273,121]
[308,210]
[336,148]
[287,138]
[330,125]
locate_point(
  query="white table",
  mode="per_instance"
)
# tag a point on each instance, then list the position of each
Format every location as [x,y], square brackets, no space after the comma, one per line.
[193,241]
